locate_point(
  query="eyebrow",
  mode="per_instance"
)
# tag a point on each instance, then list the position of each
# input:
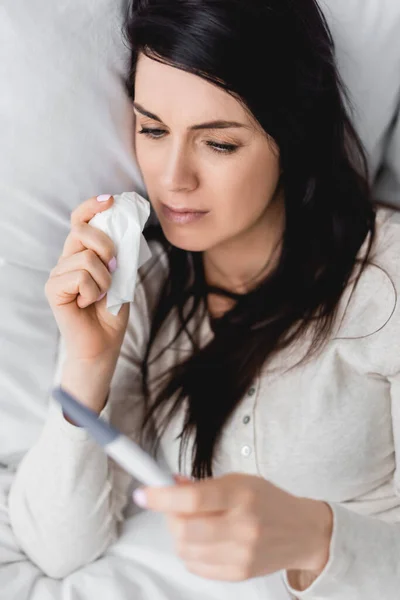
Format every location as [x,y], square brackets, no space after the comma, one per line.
[209,125]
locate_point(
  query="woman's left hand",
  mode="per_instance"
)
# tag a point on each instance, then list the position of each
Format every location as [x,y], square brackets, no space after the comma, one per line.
[239,526]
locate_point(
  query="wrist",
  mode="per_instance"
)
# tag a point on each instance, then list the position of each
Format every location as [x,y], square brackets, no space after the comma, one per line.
[316,534]
[89,381]
[314,543]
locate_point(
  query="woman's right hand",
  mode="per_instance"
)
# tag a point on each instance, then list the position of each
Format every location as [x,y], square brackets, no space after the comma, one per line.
[81,276]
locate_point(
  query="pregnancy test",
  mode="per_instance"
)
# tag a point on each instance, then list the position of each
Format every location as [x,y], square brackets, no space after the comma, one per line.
[123,450]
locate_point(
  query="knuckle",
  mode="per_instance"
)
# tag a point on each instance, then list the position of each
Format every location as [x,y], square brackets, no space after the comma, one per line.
[112,253]
[253,532]
[89,258]
[182,533]
[78,209]
[244,572]
[109,249]
[192,500]
[84,277]
[248,497]
[107,256]
[50,290]
[75,231]
[246,563]
[103,244]
[75,214]
[237,575]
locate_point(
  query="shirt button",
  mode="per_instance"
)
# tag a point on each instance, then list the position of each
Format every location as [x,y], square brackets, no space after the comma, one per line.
[251,391]
[246,419]
[246,451]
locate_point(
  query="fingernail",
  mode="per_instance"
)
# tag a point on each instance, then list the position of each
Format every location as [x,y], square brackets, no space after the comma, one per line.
[101,297]
[112,265]
[139,497]
[103,197]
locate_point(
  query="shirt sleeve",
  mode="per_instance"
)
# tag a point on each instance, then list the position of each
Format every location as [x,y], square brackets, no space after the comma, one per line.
[364,561]
[68,497]
[364,558]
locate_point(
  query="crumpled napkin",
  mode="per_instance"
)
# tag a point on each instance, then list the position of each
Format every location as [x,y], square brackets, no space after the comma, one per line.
[124,223]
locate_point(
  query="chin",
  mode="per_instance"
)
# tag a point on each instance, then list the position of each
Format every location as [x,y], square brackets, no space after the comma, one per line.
[187,240]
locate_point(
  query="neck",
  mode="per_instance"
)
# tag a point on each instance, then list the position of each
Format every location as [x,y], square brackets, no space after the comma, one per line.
[241,263]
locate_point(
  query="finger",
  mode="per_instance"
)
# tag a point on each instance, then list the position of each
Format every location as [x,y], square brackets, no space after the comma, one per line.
[88,209]
[74,286]
[83,236]
[209,495]
[220,554]
[86,260]
[199,530]
[216,572]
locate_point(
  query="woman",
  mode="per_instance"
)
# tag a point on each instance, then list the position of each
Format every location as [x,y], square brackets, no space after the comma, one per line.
[262,347]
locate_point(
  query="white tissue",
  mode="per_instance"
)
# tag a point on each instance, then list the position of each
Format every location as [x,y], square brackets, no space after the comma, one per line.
[124,223]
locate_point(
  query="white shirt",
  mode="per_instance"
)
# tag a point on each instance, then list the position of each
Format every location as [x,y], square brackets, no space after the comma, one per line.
[328,430]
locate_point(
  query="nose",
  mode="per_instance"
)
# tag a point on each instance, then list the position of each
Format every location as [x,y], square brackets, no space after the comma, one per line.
[179,173]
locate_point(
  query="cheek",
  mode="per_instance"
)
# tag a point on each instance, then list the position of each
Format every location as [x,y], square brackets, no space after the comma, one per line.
[147,160]
[265,178]
[141,155]
[246,191]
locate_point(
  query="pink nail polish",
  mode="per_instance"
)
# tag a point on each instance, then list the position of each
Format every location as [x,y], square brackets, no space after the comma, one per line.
[112,265]
[139,497]
[103,197]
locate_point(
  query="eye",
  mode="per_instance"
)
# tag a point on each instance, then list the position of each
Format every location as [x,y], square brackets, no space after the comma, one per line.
[222,148]
[152,132]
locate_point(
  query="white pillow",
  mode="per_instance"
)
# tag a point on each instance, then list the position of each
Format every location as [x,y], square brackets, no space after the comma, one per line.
[28,346]
[65,120]
[66,128]
[367,40]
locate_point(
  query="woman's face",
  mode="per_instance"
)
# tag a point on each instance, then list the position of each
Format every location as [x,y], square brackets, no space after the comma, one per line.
[210,170]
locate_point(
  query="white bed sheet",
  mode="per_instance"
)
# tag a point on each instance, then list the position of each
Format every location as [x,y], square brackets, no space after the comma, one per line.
[141,565]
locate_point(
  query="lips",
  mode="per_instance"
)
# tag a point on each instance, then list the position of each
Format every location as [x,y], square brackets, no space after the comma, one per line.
[182,215]
[184,210]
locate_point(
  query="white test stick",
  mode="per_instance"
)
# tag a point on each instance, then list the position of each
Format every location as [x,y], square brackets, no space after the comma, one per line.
[123,450]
